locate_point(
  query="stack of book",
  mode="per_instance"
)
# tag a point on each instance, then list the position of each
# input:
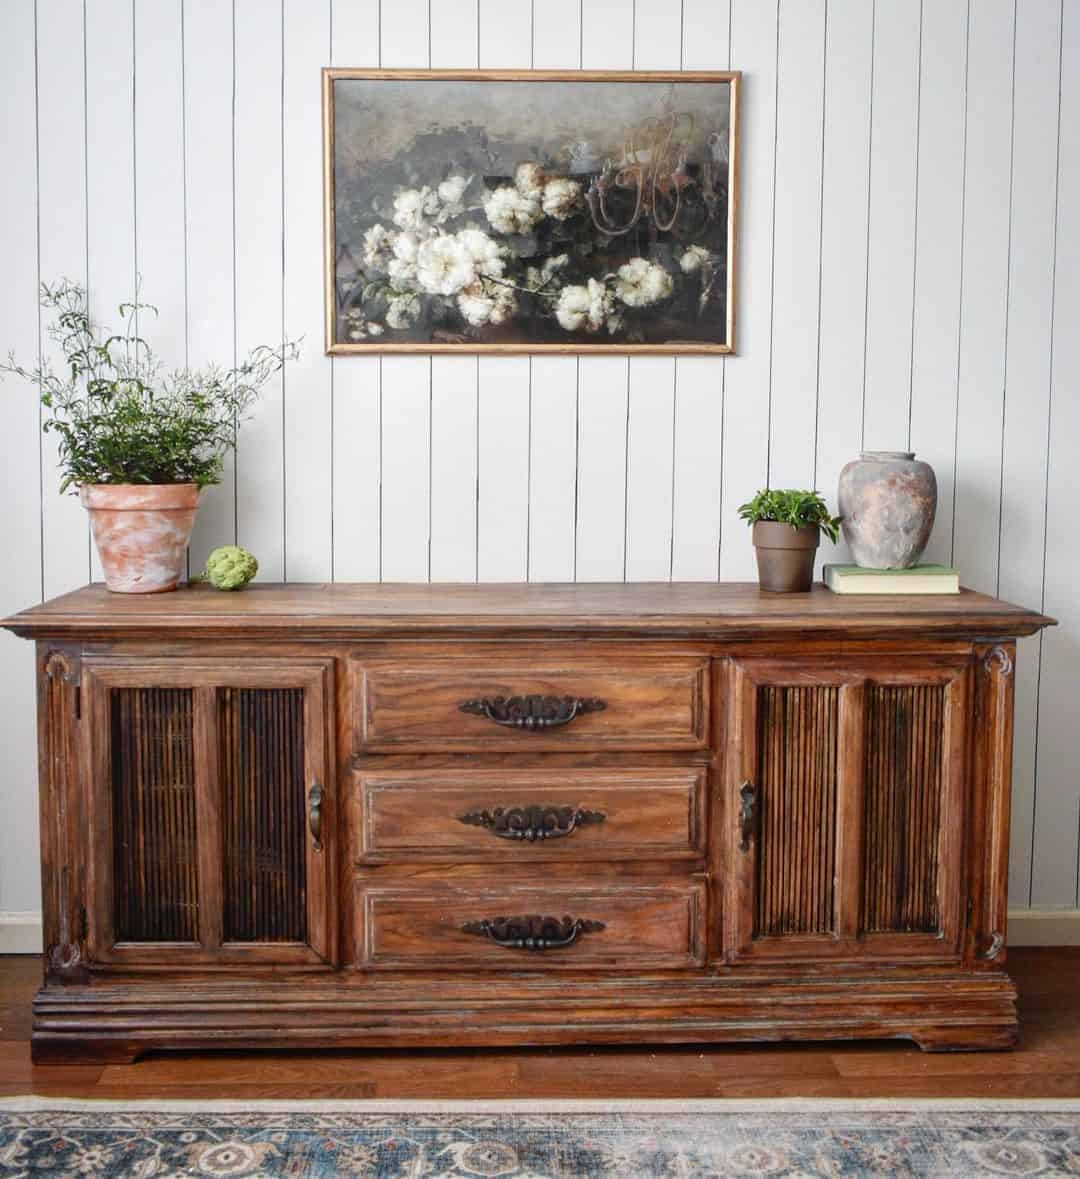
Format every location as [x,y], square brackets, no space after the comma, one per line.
[920,579]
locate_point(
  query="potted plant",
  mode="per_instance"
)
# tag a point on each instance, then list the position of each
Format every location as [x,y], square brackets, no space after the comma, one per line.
[787,530]
[138,443]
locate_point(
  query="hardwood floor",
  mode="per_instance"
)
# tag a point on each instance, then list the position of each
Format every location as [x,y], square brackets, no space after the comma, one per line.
[1047,1064]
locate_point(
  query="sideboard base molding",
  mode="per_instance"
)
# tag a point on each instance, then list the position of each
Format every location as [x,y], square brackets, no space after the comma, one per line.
[114,1024]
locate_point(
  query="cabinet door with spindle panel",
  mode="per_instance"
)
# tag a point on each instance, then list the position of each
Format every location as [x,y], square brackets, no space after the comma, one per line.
[211,806]
[845,809]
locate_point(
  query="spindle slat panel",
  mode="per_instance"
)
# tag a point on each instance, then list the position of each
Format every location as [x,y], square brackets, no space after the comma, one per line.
[261,764]
[797,776]
[153,797]
[904,781]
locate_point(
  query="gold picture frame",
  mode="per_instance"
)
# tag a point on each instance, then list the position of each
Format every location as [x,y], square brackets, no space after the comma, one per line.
[538,207]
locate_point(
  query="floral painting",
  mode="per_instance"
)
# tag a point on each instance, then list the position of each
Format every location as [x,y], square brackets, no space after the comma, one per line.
[567,212]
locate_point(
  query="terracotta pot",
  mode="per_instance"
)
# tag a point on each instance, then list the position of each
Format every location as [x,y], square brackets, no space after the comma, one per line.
[887,504]
[785,556]
[141,533]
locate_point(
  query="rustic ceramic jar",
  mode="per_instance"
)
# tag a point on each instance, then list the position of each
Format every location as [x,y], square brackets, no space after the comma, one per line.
[887,505]
[785,556]
[141,533]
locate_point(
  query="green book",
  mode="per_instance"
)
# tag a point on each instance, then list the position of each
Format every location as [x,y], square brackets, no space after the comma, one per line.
[920,579]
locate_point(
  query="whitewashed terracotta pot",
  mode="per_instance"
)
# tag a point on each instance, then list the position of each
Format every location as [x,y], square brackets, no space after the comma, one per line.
[141,532]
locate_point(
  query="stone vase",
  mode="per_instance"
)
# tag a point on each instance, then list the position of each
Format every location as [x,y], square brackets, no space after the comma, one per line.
[141,533]
[887,503]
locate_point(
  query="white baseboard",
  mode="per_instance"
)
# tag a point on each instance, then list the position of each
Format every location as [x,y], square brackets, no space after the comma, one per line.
[20,933]
[1046,926]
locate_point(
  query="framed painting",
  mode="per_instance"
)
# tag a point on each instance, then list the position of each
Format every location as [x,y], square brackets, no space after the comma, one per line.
[539,211]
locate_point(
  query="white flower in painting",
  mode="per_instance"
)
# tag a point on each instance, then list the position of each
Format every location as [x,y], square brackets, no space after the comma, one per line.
[402,266]
[540,276]
[403,311]
[561,198]
[584,308]
[511,211]
[375,329]
[529,180]
[693,258]
[413,205]
[482,306]
[485,252]
[450,193]
[444,266]
[640,283]
[378,247]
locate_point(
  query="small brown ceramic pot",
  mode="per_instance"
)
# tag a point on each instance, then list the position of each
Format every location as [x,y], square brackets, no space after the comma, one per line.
[141,532]
[785,556]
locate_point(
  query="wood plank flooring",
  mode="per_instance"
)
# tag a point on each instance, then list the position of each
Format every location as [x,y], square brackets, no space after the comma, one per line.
[1047,1064]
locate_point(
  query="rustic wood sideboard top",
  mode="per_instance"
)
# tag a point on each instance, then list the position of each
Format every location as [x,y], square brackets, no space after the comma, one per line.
[343,610]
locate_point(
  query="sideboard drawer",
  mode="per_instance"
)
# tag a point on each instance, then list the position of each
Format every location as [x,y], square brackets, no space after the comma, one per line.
[522,816]
[531,701]
[629,926]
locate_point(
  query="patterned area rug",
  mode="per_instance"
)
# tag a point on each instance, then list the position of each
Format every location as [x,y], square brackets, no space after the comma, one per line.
[538,1140]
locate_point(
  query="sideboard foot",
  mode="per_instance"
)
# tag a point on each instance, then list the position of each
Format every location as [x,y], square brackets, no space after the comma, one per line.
[82,1050]
[991,1038]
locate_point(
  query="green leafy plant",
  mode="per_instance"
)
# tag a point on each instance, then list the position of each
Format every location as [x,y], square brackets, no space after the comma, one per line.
[120,416]
[797,508]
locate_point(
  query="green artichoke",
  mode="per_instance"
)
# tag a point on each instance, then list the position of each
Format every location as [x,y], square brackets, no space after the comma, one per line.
[230,567]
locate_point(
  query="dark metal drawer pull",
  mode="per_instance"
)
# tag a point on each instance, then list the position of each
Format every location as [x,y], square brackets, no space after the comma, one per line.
[747,815]
[532,823]
[532,932]
[315,814]
[531,712]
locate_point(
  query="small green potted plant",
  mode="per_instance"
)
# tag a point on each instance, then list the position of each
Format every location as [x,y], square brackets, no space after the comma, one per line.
[787,531]
[138,443]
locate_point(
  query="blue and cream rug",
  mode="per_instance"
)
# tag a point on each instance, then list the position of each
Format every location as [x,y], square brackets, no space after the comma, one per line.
[538,1140]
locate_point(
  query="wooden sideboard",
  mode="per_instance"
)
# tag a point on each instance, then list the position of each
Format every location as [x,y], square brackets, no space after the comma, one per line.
[363,815]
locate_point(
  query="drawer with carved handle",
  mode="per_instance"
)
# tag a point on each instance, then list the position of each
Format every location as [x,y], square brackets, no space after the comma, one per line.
[522,816]
[531,701]
[627,925]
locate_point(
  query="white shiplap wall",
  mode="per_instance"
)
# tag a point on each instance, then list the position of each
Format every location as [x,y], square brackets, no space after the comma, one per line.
[910,242]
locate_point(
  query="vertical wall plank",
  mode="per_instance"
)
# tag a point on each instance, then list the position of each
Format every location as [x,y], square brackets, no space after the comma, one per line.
[985,276]
[607,42]
[849,39]
[600,553]
[405,395]
[557,35]
[1027,388]
[797,242]
[503,382]
[211,250]
[62,146]
[649,467]
[455,380]
[554,379]
[406,468]
[652,391]
[505,40]
[257,213]
[893,177]
[356,425]
[503,466]
[1057,797]
[939,214]
[699,380]
[159,174]
[20,474]
[552,468]
[308,390]
[454,396]
[746,400]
